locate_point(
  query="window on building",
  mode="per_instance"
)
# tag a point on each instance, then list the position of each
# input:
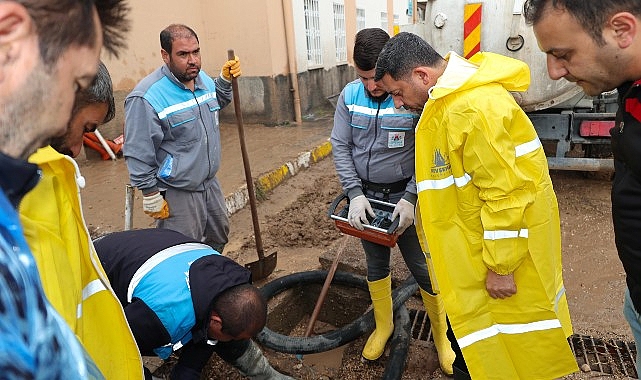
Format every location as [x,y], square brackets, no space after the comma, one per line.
[384,25]
[312,33]
[360,19]
[339,32]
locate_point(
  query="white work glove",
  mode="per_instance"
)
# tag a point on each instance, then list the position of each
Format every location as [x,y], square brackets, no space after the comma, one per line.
[154,205]
[405,212]
[359,207]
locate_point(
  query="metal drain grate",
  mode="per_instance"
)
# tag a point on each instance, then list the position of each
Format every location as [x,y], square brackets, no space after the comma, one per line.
[421,329]
[613,357]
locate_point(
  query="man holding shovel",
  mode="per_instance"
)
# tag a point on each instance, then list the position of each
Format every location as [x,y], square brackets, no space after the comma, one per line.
[172,139]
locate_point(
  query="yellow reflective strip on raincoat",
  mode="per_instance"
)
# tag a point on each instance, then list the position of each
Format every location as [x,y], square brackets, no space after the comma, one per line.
[486,202]
[71,273]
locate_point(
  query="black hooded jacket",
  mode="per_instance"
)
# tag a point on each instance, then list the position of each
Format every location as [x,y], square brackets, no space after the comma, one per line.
[626,186]
[123,253]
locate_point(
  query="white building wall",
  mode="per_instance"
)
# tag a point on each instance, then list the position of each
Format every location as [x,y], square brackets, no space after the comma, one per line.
[400,9]
[373,9]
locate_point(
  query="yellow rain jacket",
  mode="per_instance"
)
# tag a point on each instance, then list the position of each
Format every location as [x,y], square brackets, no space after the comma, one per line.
[486,202]
[71,273]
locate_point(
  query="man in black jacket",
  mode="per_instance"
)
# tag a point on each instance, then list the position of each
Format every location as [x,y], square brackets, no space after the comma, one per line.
[181,295]
[599,49]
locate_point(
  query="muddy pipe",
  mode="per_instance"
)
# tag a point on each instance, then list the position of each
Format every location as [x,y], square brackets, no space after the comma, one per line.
[399,345]
[331,339]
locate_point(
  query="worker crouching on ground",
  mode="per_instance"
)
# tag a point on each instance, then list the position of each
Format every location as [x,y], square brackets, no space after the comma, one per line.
[373,149]
[180,295]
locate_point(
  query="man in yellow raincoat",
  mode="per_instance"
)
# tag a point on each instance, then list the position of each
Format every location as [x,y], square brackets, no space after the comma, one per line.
[70,270]
[487,209]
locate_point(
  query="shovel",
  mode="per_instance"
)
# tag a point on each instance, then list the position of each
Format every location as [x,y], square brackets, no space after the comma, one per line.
[266,264]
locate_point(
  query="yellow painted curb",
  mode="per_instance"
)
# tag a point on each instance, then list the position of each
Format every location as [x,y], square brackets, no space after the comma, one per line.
[270,180]
[321,151]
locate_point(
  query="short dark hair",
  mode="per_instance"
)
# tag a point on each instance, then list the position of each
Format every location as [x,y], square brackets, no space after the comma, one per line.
[369,42]
[174,31]
[403,53]
[100,91]
[242,308]
[592,15]
[62,23]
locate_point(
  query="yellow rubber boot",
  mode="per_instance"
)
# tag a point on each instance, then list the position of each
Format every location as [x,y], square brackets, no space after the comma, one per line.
[381,293]
[436,312]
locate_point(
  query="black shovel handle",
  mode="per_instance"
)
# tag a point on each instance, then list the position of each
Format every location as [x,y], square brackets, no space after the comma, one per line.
[248,174]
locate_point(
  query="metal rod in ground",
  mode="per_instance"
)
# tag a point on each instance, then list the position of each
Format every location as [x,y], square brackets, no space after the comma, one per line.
[129,207]
[324,290]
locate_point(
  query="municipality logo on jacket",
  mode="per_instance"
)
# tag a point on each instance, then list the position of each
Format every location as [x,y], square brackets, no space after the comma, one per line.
[440,165]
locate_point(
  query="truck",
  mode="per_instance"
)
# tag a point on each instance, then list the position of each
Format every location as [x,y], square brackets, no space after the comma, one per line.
[572,126]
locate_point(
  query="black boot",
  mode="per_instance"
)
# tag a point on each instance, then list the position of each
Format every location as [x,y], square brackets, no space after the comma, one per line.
[460,374]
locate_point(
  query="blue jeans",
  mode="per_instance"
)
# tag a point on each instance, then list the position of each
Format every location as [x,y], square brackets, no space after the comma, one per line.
[634,320]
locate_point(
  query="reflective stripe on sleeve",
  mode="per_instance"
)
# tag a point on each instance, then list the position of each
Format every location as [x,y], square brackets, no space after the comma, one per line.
[439,184]
[505,234]
[527,147]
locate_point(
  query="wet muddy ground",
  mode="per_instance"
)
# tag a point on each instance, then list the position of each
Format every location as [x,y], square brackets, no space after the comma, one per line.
[294,223]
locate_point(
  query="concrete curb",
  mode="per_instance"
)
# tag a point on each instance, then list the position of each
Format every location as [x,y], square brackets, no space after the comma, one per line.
[270,180]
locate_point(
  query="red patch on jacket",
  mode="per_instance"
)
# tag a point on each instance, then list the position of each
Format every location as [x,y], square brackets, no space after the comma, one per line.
[633,107]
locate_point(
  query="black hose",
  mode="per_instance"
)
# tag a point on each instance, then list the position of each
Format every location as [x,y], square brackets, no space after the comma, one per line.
[332,339]
[399,345]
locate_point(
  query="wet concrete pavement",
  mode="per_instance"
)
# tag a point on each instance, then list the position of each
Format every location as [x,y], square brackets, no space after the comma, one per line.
[274,154]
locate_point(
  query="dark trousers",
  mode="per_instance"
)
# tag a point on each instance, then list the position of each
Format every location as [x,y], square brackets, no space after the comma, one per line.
[378,256]
[192,358]
[460,368]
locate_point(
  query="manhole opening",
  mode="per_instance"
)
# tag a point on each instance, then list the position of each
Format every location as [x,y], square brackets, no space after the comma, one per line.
[342,304]
[613,357]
